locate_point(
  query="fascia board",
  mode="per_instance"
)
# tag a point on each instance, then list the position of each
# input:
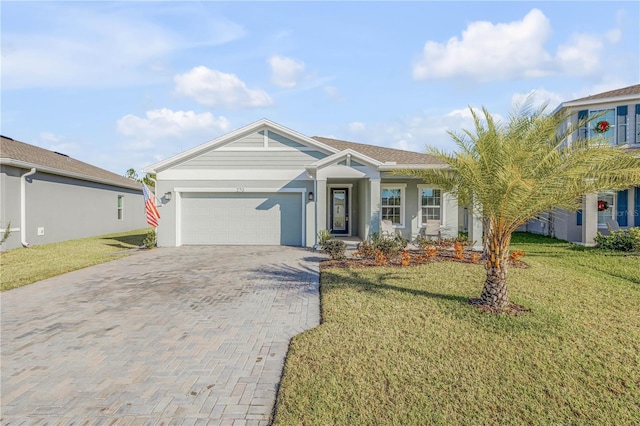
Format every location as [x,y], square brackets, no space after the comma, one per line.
[391,167]
[74,175]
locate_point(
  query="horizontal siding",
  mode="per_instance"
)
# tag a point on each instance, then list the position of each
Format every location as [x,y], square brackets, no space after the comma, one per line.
[254,160]
[254,140]
[279,141]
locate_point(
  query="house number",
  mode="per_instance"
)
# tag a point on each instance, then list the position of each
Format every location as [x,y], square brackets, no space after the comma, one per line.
[239,189]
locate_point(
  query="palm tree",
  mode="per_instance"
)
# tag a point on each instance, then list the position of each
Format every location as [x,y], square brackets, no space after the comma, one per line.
[512,172]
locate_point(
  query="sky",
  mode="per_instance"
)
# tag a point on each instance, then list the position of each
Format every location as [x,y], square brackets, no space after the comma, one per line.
[126,84]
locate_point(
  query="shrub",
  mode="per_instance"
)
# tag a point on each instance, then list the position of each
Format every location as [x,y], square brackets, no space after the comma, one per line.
[366,249]
[335,249]
[381,259]
[406,258]
[515,256]
[6,233]
[391,246]
[432,251]
[323,236]
[622,240]
[458,250]
[150,240]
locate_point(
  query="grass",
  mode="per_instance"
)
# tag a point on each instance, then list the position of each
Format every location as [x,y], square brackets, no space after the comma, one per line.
[22,266]
[401,346]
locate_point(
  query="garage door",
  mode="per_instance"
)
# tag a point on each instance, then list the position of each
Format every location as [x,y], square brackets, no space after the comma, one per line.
[241,218]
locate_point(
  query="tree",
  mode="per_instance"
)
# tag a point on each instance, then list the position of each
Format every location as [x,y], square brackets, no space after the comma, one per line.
[512,172]
[147,179]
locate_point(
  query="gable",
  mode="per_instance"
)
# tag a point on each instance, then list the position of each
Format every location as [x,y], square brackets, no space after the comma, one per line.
[262,149]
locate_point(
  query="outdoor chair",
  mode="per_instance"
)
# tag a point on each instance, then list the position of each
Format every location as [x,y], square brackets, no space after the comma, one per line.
[612,225]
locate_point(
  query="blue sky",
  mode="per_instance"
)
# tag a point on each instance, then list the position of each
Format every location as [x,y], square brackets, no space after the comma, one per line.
[126,84]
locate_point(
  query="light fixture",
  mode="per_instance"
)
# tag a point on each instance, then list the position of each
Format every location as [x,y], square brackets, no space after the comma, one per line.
[310,196]
[167,196]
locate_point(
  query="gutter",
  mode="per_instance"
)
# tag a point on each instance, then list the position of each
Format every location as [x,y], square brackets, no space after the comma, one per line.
[391,167]
[23,206]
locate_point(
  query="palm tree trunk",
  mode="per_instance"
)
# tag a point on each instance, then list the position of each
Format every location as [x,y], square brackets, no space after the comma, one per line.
[494,292]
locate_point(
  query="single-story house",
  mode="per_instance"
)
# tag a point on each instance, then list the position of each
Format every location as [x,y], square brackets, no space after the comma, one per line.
[619,122]
[267,184]
[48,197]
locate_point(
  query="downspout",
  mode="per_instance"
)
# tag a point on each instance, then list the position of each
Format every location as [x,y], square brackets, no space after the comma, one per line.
[315,212]
[23,206]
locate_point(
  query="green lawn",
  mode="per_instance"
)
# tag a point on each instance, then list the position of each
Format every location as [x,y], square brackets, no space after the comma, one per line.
[401,346]
[24,266]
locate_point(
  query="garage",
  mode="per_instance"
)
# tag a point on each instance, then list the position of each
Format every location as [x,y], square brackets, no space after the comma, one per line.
[241,219]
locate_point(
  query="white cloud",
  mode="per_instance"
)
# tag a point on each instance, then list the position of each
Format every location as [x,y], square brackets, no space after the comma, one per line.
[163,124]
[538,97]
[417,132]
[356,127]
[285,72]
[108,44]
[215,88]
[488,51]
[334,93]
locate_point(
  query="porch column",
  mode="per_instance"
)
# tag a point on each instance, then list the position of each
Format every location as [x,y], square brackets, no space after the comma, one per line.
[589,219]
[321,200]
[374,204]
[475,229]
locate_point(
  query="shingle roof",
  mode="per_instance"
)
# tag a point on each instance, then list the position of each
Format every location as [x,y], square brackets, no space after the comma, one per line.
[380,153]
[625,91]
[11,149]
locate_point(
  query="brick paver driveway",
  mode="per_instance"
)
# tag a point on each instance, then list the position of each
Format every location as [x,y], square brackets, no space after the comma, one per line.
[187,335]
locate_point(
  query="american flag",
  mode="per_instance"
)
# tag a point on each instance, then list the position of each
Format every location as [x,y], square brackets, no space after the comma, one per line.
[150,207]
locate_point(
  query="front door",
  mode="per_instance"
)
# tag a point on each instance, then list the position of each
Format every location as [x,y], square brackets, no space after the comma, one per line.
[340,211]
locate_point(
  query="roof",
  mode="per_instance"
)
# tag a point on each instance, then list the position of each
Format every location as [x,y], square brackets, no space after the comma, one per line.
[381,154]
[24,155]
[625,91]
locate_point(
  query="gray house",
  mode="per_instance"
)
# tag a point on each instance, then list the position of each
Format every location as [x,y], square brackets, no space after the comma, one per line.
[267,184]
[49,197]
[619,123]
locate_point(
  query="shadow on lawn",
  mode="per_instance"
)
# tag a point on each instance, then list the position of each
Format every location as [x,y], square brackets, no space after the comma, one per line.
[357,280]
[132,240]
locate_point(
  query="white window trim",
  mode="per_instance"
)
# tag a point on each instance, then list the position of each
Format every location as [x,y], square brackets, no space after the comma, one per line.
[402,187]
[442,201]
[614,208]
[120,208]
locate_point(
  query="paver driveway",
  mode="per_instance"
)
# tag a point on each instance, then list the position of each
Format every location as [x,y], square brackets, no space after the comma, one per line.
[187,335]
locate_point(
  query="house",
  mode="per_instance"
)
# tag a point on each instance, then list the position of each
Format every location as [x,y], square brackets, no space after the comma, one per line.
[619,122]
[49,197]
[267,184]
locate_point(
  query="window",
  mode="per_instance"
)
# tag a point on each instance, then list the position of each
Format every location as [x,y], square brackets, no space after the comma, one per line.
[604,115]
[392,204]
[622,124]
[607,214]
[120,207]
[430,204]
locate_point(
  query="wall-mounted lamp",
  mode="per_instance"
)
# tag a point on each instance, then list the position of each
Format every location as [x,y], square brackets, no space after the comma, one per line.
[310,196]
[167,196]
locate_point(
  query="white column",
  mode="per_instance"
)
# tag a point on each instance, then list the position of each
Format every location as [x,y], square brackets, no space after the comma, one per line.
[475,229]
[321,199]
[374,206]
[589,219]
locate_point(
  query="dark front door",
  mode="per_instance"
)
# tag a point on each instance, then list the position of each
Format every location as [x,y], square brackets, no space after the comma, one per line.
[339,211]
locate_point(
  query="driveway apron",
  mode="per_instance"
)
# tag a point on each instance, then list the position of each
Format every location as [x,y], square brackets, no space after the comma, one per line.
[186,335]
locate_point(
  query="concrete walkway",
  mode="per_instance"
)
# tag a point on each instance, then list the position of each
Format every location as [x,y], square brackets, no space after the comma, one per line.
[187,335]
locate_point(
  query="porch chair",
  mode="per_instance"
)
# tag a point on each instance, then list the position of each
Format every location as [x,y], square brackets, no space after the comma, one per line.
[612,225]
[386,228]
[431,229]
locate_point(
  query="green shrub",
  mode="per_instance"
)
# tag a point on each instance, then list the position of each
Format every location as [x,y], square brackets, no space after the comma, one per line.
[334,248]
[622,240]
[150,240]
[323,236]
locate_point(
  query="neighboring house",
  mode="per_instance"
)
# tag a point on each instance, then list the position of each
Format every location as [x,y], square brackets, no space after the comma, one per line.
[267,184]
[49,197]
[620,110]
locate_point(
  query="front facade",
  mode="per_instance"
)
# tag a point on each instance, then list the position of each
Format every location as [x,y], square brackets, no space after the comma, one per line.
[49,197]
[265,184]
[618,114]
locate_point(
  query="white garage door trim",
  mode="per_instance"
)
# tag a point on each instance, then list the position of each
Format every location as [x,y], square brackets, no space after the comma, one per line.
[178,200]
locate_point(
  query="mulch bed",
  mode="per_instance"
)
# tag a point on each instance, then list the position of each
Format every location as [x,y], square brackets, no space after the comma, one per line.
[416,258]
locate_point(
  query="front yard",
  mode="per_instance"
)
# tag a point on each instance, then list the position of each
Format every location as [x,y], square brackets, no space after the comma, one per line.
[24,266]
[402,346]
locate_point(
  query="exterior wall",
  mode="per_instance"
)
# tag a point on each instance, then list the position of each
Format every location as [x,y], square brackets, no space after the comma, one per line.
[264,159]
[65,208]
[167,228]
